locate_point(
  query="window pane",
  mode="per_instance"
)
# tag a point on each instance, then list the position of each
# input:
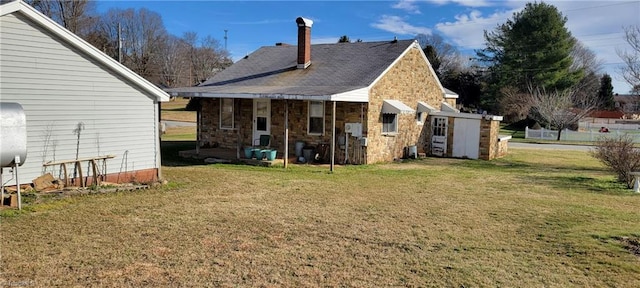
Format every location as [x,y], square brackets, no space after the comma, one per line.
[226,113]
[389,123]
[316,109]
[261,108]
[316,125]
[261,123]
[439,126]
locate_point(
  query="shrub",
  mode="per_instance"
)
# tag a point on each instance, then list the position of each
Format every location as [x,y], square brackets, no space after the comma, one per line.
[619,154]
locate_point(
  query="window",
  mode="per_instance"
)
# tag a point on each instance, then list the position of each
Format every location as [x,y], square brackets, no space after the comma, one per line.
[226,113]
[316,117]
[419,116]
[389,123]
[439,126]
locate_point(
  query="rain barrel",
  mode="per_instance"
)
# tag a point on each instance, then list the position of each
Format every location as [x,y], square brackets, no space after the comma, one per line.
[13,134]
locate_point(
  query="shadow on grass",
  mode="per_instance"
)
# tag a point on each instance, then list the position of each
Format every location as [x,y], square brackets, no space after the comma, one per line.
[510,165]
[169,151]
[595,185]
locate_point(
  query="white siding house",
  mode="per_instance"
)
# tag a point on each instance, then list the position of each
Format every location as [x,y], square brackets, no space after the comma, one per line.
[63,83]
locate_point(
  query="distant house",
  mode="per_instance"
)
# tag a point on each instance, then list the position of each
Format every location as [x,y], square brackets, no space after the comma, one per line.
[379,100]
[79,103]
[627,103]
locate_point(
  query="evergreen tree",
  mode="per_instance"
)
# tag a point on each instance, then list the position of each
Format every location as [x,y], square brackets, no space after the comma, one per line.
[530,50]
[432,56]
[344,39]
[605,93]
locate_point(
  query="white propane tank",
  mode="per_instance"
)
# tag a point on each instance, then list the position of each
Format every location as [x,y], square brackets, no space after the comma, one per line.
[13,134]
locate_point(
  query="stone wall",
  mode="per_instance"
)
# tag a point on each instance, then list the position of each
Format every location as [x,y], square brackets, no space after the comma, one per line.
[503,147]
[410,80]
[489,145]
[451,101]
[212,135]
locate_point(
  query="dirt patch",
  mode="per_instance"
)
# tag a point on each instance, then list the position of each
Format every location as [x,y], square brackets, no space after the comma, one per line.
[631,243]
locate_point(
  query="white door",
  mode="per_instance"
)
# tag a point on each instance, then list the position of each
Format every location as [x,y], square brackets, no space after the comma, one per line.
[439,135]
[466,138]
[261,119]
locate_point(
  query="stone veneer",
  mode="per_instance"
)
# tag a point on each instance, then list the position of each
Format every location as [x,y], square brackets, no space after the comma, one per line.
[489,130]
[409,80]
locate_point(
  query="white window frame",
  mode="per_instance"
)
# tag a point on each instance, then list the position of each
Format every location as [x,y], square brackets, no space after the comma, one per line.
[309,116]
[222,106]
[439,126]
[394,127]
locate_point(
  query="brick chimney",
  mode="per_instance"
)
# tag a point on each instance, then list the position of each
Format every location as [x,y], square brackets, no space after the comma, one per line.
[304,42]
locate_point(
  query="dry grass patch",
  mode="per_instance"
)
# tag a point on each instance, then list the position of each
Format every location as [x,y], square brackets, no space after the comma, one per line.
[180,134]
[531,219]
[174,110]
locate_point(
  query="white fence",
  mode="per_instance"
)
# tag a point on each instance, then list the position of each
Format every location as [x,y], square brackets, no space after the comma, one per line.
[611,126]
[568,135]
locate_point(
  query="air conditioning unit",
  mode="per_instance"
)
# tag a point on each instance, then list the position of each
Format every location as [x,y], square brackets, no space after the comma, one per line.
[355,129]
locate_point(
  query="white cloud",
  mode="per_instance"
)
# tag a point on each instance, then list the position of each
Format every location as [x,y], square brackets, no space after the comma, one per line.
[467,32]
[597,24]
[465,3]
[396,24]
[325,39]
[407,5]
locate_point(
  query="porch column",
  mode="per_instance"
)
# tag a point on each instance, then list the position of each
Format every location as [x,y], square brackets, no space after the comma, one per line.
[285,157]
[333,137]
[198,123]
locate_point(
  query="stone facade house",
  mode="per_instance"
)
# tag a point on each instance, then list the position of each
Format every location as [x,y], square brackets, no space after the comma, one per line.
[367,102]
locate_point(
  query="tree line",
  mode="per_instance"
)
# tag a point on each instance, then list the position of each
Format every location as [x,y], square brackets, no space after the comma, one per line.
[527,58]
[139,40]
[532,68]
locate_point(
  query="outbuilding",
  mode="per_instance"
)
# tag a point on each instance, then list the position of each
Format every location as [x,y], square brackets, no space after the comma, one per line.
[84,111]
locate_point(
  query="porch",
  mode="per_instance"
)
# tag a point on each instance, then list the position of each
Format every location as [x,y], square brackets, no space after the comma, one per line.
[227,155]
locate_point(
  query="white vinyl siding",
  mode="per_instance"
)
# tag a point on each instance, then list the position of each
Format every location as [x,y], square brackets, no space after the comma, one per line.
[59,87]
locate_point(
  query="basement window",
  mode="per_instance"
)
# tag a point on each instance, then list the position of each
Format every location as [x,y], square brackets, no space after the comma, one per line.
[226,113]
[316,117]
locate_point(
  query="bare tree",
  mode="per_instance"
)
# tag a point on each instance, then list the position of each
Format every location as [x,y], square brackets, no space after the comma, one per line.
[206,58]
[447,55]
[78,16]
[560,109]
[514,103]
[631,71]
[174,63]
[143,35]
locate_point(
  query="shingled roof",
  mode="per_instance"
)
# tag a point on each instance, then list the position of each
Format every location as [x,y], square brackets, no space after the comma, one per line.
[271,71]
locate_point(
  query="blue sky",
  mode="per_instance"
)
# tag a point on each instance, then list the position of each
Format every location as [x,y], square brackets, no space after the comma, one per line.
[252,24]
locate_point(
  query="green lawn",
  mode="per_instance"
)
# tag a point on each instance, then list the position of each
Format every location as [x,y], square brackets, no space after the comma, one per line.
[531,219]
